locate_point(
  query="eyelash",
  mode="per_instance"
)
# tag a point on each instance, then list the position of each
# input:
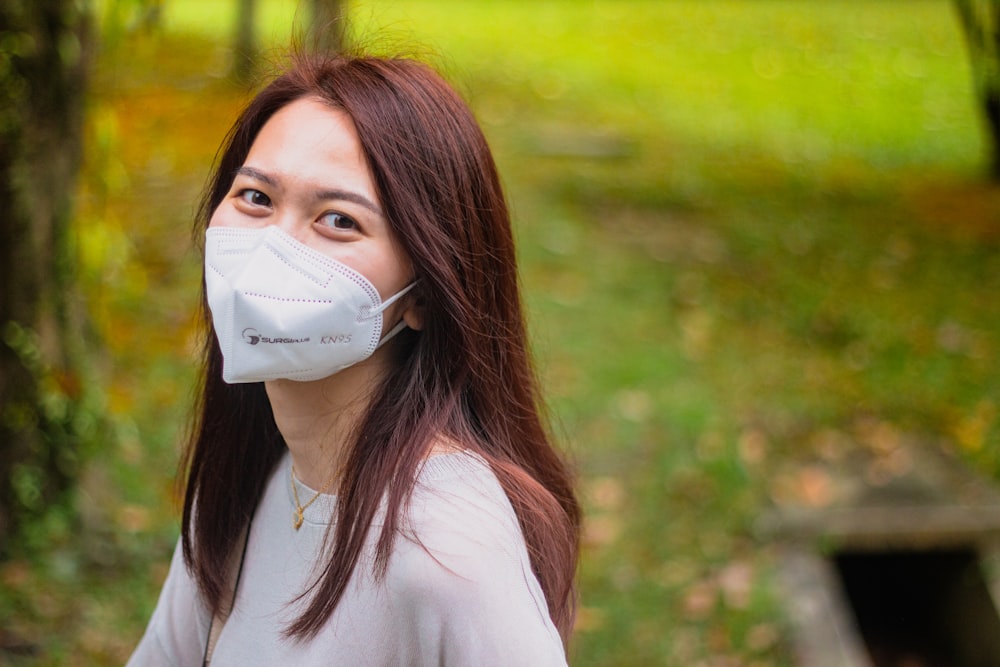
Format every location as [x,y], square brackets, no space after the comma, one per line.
[339,216]
[243,194]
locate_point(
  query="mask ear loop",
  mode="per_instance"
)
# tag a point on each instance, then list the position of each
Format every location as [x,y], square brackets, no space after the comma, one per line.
[385,304]
[392,332]
[392,299]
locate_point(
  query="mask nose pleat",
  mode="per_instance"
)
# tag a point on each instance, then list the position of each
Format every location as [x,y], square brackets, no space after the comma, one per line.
[300,262]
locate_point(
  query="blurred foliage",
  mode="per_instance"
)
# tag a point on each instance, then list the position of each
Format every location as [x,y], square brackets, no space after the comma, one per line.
[751,236]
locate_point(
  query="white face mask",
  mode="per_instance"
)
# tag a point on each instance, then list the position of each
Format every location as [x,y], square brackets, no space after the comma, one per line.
[284,310]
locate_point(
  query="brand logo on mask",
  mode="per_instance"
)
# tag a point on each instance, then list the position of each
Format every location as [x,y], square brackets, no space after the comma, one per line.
[252,336]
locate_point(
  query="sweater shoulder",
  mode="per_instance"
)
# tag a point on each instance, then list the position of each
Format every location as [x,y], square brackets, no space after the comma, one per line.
[458,503]
[460,578]
[459,528]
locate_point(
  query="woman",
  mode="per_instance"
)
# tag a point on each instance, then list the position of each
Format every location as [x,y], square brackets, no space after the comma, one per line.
[368,479]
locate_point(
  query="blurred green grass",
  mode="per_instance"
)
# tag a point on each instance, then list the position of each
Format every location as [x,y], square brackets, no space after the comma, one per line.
[747,230]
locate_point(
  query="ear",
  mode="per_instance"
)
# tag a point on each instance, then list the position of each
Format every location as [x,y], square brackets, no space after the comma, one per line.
[414,313]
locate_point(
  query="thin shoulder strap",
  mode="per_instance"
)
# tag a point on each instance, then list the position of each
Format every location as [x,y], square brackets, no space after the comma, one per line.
[234,572]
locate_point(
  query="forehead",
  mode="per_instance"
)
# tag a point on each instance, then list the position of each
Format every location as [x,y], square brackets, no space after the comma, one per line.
[310,140]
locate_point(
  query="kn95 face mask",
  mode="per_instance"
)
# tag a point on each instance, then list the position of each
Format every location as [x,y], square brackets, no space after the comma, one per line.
[283,310]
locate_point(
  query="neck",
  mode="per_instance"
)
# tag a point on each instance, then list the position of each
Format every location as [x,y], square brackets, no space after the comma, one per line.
[318,419]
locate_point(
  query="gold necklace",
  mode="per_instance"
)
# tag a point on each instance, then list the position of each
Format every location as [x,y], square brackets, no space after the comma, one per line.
[299,507]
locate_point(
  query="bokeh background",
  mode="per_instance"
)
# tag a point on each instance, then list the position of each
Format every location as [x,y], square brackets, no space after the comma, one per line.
[754,235]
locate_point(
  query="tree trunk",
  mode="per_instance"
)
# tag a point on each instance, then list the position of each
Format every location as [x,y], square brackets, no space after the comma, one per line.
[991,115]
[42,74]
[980,21]
[329,23]
[245,48]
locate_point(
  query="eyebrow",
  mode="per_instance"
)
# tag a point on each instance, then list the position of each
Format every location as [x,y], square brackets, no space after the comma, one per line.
[319,195]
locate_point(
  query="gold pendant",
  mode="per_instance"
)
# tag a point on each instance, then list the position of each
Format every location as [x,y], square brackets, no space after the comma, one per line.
[298,519]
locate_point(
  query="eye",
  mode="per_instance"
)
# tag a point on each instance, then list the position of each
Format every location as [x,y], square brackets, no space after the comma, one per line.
[254,197]
[338,221]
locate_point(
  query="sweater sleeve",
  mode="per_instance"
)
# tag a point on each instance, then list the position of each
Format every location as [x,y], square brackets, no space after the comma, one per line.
[461,586]
[178,629]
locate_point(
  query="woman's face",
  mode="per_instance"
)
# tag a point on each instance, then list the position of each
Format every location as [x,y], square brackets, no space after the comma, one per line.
[306,174]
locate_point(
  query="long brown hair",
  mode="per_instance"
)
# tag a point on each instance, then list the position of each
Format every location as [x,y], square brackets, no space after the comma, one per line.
[466,376]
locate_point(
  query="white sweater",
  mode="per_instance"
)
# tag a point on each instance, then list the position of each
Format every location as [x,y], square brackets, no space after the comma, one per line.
[466,597]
